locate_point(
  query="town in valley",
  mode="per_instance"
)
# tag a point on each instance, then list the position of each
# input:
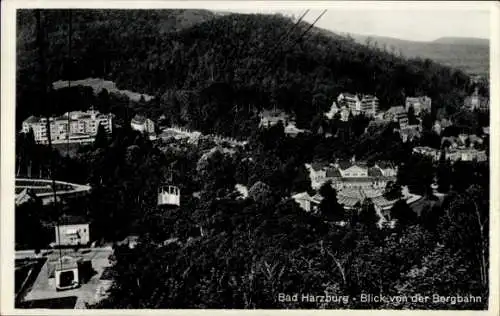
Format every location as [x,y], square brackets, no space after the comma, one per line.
[182,158]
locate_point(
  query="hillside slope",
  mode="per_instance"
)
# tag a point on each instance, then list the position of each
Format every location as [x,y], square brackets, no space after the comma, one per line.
[470,55]
[463,41]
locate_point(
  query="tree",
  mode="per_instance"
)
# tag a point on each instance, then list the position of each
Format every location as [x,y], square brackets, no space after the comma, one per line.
[103,101]
[465,227]
[329,206]
[444,174]
[403,213]
[261,193]
[412,119]
[417,173]
[392,191]
[101,138]
[368,215]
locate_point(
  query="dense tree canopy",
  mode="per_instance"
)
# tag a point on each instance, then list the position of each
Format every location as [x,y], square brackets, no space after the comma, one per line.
[227,60]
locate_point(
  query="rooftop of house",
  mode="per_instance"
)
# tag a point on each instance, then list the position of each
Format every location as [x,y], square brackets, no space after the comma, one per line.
[466,151]
[367,179]
[138,119]
[367,97]
[273,113]
[397,110]
[410,132]
[72,220]
[301,196]
[345,164]
[32,119]
[333,169]
[417,99]
[66,263]
[348,95]
[385,164]
[377,123]
[424,149]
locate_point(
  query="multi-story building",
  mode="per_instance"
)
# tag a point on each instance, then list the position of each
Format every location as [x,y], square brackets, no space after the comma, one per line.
[419,104]
[475,101]
[82,126]
[453,154]
[366,104]
[142,124]
[270,118]
[397,114]
[351,174]
[354,182]
[427,151]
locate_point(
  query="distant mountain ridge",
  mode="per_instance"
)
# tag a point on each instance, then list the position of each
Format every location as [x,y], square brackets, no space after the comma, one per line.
[462,41]
[468,54]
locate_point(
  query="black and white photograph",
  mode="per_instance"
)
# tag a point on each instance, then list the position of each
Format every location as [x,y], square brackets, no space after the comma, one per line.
[258,156]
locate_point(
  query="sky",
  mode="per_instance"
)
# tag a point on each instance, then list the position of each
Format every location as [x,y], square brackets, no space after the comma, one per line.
[417,24]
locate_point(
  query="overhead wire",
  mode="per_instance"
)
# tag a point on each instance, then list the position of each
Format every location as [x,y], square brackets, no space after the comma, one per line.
[298,39]
[41,34]
[275,61]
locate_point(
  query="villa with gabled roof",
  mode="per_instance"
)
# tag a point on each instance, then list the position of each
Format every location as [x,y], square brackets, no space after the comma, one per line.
[351,174]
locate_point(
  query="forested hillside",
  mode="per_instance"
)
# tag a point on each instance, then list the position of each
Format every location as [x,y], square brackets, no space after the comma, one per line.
[142,51]
[220,249]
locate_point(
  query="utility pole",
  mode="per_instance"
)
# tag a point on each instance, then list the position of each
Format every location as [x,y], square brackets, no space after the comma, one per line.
[44,102]
[70,64]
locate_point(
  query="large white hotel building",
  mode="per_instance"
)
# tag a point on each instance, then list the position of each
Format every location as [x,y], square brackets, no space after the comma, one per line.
[82,126]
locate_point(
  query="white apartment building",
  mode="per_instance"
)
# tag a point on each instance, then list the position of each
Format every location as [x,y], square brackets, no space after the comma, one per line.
[366,104]
[82,126]
[419,104]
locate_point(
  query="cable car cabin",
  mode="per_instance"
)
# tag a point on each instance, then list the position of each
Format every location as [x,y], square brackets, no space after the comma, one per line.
[169,195]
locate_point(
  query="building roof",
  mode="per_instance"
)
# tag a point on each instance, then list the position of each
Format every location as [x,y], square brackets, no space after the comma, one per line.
[24,196]
[317,166]
[346,164]
[410,132]
[139,119]
[72,220]
[292,129]
[31,119]
[332,173]
[348,95]
[302,196]
[367,179]
[317,198]
[397,110]
[273,114]
[418,99]
[378,123]
[385,164]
